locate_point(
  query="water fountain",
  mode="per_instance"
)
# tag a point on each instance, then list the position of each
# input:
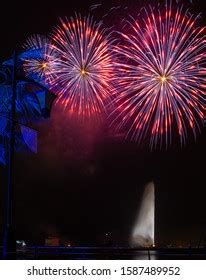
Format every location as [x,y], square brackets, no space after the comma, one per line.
[144,229]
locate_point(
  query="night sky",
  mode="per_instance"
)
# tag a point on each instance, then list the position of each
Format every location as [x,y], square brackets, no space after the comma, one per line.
[85,182]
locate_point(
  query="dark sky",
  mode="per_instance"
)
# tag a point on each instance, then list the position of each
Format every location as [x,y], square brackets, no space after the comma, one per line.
[83,182]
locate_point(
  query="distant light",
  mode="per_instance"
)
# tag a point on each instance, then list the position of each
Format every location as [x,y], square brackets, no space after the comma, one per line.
[21,243]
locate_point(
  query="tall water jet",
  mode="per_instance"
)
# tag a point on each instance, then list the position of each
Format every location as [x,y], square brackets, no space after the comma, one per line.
[143,234]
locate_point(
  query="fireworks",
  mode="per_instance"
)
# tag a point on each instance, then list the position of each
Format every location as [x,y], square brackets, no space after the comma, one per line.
[157,72]
[85,73]
[162,72]
[41,59]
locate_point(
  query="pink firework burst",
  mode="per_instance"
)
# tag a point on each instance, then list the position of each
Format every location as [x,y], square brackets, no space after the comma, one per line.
[41,58]
[84,75]
[162,76]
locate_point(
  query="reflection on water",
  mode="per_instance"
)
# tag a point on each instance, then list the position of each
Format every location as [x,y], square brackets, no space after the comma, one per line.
[146,255]
[110,253]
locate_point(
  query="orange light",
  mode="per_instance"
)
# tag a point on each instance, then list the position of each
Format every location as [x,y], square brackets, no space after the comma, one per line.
[163,79]
[44,65]
[83,72]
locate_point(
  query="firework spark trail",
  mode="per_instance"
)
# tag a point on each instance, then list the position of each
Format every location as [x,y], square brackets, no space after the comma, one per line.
[41,59]
[95,6]
[85,72]
[162,72]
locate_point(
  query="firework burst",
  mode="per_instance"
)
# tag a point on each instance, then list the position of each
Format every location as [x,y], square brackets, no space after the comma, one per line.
[162,72]
[39,64]
[85,73]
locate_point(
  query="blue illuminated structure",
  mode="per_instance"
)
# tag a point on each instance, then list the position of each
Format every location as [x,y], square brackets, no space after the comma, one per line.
[21,98]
